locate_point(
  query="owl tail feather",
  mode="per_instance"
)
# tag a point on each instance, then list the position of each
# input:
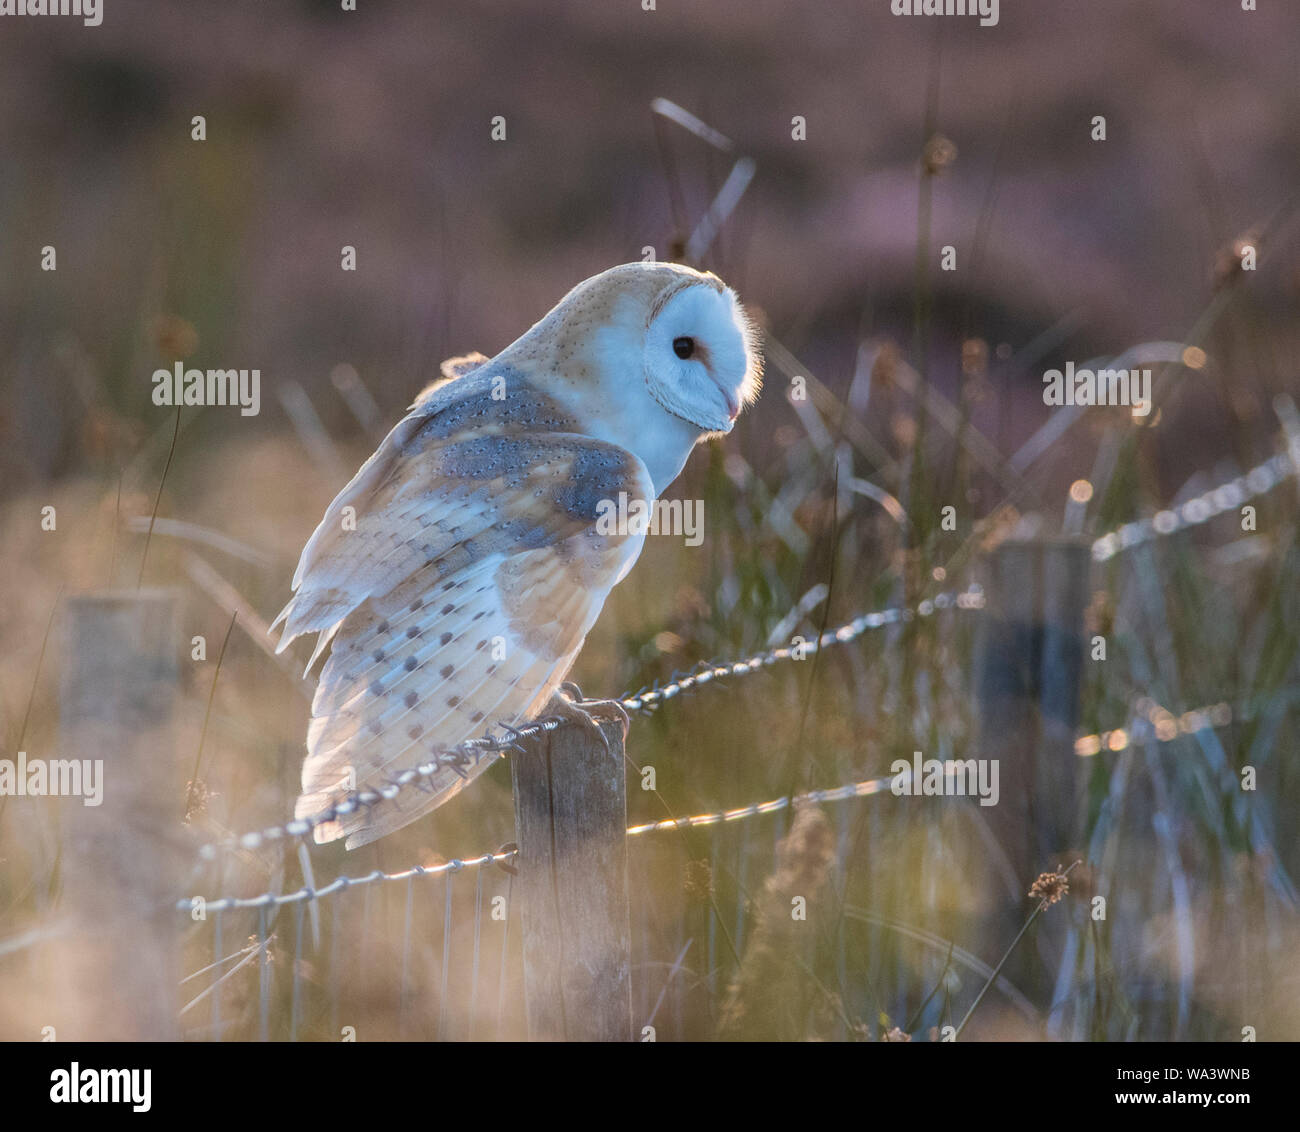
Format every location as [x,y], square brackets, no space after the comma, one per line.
[388,816]
[400,688]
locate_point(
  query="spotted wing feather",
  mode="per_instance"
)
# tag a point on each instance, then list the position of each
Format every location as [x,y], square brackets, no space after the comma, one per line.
[457,591]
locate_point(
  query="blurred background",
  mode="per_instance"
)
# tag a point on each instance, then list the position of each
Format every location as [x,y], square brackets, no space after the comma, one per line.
[373,129]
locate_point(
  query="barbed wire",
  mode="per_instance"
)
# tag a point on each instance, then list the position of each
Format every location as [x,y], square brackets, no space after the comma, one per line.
[970,598]
[1226,497]
[505,855]
[1158,723]
[343,883]
[457,758]
[470,753]
[1150,721]
[813,797]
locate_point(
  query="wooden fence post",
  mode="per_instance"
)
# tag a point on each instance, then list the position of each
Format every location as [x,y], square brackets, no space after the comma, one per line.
[571,821]
[119,968]
[1030,663]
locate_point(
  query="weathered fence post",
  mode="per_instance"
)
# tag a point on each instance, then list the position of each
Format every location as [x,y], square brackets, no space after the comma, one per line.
[119,967]
[1030,663]
[571,821]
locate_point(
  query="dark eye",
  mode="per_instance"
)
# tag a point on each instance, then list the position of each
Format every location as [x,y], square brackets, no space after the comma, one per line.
[683,347]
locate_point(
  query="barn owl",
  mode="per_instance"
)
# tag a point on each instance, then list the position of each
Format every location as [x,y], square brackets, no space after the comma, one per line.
[459,572]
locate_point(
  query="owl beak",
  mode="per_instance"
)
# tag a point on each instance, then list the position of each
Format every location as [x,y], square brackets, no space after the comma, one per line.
[733,404]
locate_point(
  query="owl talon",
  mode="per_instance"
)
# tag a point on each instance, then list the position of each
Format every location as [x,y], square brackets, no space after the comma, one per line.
[594,707]
[569,704]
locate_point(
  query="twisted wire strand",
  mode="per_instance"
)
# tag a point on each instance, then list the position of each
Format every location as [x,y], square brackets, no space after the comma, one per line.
[506,855]
[1227,496]
[343,883]
[971,598]
[813,797]
[1151,721]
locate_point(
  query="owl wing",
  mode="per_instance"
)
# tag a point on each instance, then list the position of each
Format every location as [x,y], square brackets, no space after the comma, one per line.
[457,576]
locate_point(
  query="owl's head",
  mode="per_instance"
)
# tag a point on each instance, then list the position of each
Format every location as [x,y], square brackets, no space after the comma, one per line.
[701,363]
[680,332]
